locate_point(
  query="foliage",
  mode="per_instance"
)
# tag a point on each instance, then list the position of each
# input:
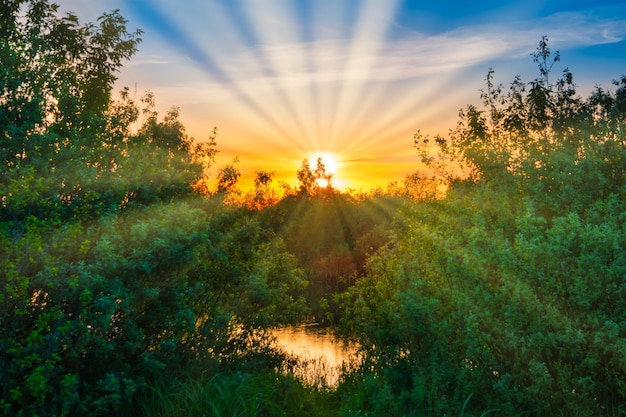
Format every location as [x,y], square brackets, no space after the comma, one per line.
[331,237]
[564,151]
[68,149]
[263,194]
[417,187]
[128,288]
[308,180]
[107,307]
[312,180]
[227,178]
[114,269]
[321,174]
[508,295]
[525,318]
[55,83]
[240,394]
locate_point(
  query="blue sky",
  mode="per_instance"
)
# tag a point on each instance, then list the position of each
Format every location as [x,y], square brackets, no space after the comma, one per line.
[285,79]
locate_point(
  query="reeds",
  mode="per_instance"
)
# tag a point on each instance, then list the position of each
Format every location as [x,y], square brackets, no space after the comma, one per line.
[239,394]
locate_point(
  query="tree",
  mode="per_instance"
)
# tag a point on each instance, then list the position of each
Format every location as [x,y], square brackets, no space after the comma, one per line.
[310,180]
[161,162]
[263,194]
[227,178]
[308,183]
[539,135]
[56,78]
[321,174]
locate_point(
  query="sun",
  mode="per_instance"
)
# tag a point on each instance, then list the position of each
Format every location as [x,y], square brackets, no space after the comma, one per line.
[331,164]
[330,161]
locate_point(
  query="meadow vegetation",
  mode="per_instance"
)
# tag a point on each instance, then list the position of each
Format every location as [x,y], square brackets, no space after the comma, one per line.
[131,287]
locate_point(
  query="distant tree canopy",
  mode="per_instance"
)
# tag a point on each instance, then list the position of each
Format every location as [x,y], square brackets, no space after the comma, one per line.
[227,177]
[306,177]
[311,180]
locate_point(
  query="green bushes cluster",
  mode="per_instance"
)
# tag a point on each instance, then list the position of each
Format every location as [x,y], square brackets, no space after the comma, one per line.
[509,291]
[526,320]
[114,270]
[92,314]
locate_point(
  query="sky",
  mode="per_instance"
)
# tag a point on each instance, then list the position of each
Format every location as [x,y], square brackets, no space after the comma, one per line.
[287,80]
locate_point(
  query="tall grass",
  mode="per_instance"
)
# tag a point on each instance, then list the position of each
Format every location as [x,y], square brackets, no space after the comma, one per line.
[239,394]
[280,394]
[316,373]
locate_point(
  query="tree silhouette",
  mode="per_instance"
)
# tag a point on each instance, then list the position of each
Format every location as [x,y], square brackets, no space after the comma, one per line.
[227,177]
[321,174]
[307,179]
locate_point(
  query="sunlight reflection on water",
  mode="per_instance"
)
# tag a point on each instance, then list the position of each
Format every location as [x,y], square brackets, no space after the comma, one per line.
[324,351]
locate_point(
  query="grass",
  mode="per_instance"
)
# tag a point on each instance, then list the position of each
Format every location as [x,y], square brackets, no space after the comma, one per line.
[238,394]
[302,390]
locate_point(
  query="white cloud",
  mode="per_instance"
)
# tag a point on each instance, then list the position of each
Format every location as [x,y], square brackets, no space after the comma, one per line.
[376,60]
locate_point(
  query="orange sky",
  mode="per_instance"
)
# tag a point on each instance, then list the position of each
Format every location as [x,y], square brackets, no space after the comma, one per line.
[284,80]
[364,159]
[370,131]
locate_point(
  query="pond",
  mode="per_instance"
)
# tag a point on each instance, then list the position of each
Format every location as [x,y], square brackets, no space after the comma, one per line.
[322,351]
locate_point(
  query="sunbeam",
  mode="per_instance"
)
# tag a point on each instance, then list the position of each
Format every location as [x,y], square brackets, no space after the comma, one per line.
[367,41]
[208,63]
[310,92]
[290,79]
[272,25]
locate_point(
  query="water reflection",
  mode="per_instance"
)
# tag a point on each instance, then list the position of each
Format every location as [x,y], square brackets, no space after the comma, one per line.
[323,351]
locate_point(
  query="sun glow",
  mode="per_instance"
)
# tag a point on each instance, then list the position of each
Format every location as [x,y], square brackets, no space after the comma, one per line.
[299,77]
[331,165]
[329,160]
[295,76]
